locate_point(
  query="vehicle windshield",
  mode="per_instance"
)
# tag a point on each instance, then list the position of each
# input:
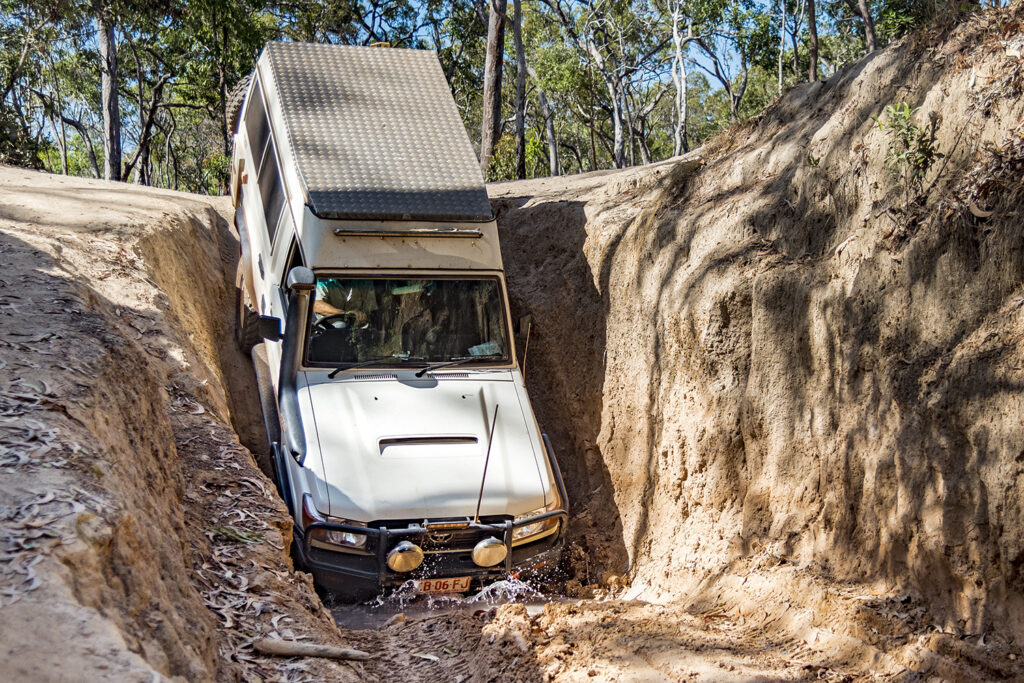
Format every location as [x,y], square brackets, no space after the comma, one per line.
[426,320]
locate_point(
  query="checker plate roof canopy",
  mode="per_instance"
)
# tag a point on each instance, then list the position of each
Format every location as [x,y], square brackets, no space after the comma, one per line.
[375,134]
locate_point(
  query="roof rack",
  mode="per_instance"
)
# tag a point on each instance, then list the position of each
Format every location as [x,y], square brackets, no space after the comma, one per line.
[375,134]
[416,232]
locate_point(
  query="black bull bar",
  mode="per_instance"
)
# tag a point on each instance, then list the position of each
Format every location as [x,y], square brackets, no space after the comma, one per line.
[384,537]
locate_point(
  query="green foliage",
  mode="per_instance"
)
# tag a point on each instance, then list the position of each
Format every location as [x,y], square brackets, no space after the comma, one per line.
[762,89]
[758,39]
[17,145]
[897,18]
[912,150]
[707,109]
[503,160]
[597,63]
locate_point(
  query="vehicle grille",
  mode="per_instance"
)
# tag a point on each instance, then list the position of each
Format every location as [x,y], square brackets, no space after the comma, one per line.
[442,541]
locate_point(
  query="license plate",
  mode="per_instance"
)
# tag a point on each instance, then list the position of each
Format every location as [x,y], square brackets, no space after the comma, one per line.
[458,585]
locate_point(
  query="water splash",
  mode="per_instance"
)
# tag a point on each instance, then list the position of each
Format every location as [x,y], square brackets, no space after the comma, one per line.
[507,590]
[407,600]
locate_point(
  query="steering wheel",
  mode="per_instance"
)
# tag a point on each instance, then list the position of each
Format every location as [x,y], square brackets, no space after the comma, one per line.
[328,321]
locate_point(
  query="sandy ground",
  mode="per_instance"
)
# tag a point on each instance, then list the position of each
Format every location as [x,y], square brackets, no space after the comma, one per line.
[140,540]
[140,535]
[708,363]
[776,384]
[138,532]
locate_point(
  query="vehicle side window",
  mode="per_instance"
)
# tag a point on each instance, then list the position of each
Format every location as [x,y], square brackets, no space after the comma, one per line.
[265,159]
[294,257]
[257,126]
[271,191]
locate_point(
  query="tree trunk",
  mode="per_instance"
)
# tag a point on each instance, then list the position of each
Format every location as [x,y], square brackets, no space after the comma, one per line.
[491,119]
[576,154]
[145,173]
[111,105]
[62,146]
[782,41]
[736,94]
[645,150]
[84,134]
[222,94]
[798,20]
[618,129]
[554,163]
[869,25]
[57,119]
[593,143]
[812,27]
[147,119]
[680,144]
[627,113]
[517,38]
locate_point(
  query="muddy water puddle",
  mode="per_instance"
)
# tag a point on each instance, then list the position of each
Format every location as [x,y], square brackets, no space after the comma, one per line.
[407,603]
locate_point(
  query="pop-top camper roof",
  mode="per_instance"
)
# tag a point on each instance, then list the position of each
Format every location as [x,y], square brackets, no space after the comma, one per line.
[375,133]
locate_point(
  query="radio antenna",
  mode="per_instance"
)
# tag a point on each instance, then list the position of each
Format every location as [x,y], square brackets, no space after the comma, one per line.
[487,460]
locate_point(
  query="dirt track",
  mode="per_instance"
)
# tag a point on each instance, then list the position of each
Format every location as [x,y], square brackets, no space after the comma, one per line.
[791,436]
[140,534]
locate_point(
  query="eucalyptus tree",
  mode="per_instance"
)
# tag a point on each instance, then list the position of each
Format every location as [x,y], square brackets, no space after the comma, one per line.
[680,44]
[739,37]
[548,121]
[563,89]
[616,39]
[61,84]
[107,39]
[812,42]
[457,31]
[519,104]
[689,21]
[863,8]
[349,22]
[225,37]
[490,127]
[31,56]
[598,83]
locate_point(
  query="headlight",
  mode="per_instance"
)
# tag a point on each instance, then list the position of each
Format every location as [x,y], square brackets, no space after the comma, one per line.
[542,528]
[330,539]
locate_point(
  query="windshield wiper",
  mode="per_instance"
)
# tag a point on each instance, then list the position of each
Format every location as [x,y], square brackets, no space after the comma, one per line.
[373,361]
[458,360]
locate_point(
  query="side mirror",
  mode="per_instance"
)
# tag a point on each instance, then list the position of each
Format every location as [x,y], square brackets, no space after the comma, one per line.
[269,328]
[524,322]
[300,279]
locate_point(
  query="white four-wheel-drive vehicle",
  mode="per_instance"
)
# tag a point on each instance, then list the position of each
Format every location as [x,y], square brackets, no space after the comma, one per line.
[372,297]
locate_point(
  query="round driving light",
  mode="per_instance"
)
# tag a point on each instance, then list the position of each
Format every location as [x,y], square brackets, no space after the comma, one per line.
[489,552]
[405,557]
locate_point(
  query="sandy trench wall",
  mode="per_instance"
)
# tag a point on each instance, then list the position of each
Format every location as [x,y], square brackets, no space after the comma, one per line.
[141,541]
[121,564]
[768,361]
